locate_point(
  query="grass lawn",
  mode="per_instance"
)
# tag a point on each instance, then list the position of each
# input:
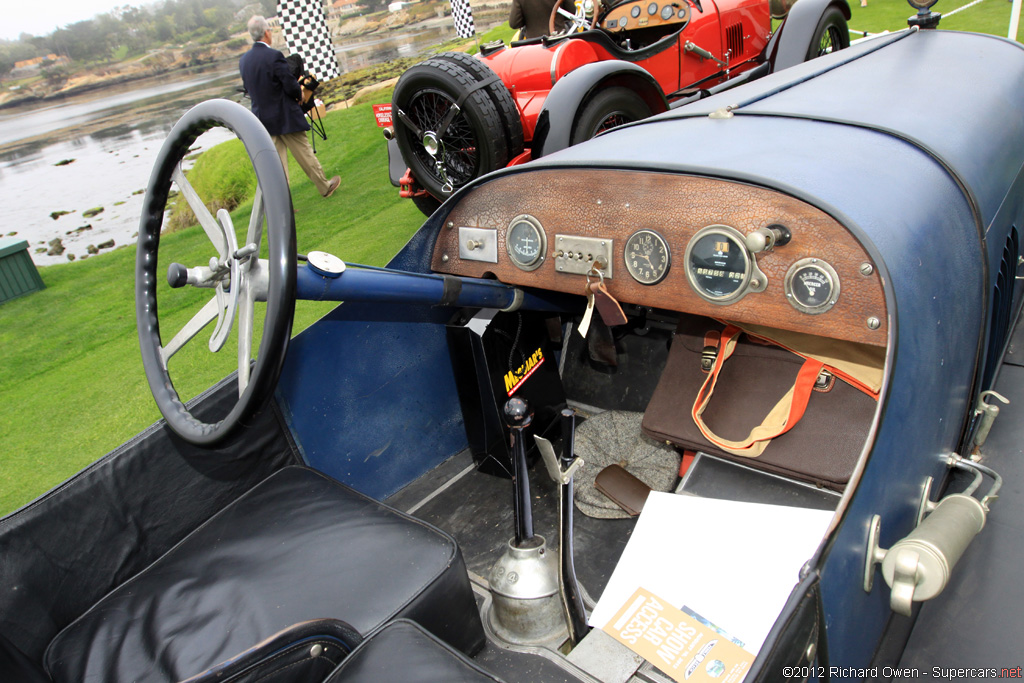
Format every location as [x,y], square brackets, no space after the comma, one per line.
[72,385]
[988,16]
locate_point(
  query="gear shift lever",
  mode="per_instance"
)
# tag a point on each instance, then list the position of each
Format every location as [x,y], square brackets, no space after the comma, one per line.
[518,416]
[526,608]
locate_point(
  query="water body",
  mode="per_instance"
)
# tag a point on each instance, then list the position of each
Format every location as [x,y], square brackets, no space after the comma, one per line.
[113,139]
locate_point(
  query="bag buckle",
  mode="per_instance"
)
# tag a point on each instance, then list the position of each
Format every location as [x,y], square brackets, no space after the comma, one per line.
[825,381]
[708,356]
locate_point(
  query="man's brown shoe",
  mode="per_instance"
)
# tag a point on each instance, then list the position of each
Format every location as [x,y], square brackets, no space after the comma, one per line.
[335,181]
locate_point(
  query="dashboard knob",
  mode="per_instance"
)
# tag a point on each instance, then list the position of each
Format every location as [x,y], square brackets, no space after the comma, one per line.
[766,239]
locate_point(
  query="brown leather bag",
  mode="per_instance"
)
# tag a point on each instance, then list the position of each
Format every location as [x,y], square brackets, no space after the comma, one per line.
[760,404]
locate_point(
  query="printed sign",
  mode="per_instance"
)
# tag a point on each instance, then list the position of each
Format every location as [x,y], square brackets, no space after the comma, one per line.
[681,643]
[382,112]
[515,378]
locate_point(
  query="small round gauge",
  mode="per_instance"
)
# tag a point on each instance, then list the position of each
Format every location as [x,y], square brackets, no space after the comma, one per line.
[647,257]
[681,14]
[635,12]
[667,12]
[652,8]
[526,242]
[718,264]
[812,286]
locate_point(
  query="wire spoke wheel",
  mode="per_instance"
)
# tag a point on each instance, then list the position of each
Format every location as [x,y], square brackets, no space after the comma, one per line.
[831,34]
[449,132]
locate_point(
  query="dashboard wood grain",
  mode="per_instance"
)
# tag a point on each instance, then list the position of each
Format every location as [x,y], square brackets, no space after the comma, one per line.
[613,204]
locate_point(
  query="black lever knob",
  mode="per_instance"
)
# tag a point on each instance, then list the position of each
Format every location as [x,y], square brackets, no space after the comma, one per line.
[518,413]
[518,416]
[177,275]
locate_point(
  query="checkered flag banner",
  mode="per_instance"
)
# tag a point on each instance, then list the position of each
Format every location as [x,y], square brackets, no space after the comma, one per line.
[305,31]
[462,15]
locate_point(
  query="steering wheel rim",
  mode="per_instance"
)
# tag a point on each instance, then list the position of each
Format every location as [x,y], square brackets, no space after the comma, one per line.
[577,22]
[273,278]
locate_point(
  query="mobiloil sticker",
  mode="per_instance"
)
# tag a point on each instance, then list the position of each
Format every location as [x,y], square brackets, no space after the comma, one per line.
[515,378]
[682,644]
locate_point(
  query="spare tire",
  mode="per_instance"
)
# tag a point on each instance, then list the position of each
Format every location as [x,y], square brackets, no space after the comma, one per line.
[470,145]
[500,95]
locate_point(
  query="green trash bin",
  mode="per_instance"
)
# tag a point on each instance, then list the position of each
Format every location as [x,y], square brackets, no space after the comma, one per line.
[18,274]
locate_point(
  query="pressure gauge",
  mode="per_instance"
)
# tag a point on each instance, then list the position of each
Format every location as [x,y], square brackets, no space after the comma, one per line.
[526,242]
[652,8]
[719,266]
[635,11]
[812,286]
[647,256]
[667,12]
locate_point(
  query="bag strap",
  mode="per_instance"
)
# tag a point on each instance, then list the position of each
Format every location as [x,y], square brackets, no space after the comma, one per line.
[780,419]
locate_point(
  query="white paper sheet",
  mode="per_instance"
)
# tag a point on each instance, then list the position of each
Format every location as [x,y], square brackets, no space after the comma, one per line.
[733,563]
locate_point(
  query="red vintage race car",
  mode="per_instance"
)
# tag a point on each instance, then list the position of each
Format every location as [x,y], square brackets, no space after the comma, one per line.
[457,117]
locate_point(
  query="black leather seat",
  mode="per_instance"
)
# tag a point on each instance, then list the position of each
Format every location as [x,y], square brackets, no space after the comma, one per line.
[403,651]
[298,547]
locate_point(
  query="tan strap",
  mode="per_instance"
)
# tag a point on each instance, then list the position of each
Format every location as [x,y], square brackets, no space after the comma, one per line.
[780,419]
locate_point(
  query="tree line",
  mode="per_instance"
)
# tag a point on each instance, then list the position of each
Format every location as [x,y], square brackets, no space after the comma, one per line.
[129,30]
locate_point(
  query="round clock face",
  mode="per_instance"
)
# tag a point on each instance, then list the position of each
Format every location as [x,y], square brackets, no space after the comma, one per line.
[647,256]
[667,12]
[718,264]
[635,11]
[652,8]
[812,286]
[526,242]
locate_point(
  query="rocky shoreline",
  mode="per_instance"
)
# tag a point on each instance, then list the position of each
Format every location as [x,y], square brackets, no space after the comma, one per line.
[156,63]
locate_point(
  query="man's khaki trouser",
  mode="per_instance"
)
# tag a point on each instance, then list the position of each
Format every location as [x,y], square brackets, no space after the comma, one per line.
[300,148]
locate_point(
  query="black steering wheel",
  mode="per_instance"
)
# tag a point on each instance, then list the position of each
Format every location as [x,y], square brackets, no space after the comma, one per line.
[236,275]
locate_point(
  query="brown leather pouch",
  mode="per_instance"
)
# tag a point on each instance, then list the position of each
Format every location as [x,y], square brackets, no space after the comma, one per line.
[822,448]
[625,490]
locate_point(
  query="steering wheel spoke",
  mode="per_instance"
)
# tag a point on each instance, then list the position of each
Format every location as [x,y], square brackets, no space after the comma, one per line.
[206,315]
[206,220]
[238,275]
[255,232]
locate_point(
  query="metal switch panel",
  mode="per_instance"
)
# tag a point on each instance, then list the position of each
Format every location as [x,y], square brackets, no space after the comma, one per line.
[478,244]
[577,255]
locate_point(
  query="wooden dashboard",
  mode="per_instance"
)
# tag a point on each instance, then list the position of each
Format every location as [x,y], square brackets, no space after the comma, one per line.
[604,209]
[647,14]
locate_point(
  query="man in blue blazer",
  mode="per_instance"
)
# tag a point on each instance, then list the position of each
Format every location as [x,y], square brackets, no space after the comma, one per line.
[276,95]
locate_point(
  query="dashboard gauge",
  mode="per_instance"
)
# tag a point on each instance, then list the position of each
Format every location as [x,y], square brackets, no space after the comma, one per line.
[812,286]
[719,267]
[647,257]
[635,12]
[526,242]
[682,13]
[652,8]
[667,12]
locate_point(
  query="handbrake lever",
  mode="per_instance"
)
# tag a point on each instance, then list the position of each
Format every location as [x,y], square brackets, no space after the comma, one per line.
[562,470]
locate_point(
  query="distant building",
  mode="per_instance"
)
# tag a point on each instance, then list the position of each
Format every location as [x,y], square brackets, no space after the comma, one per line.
[28,67]
[398,6]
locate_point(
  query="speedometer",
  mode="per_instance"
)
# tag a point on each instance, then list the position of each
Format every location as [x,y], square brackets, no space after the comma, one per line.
[719,267]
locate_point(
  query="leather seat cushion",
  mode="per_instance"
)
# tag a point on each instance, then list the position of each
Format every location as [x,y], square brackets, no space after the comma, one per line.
[402,651]
[297,546]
